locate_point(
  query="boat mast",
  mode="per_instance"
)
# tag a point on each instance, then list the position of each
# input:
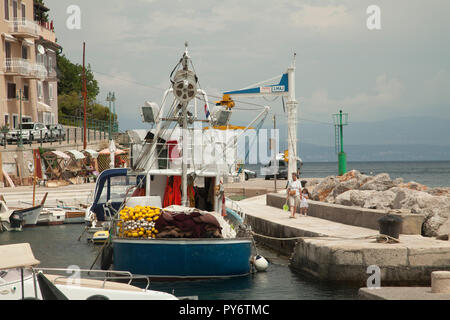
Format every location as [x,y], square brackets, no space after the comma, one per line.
[292,121]
[185,89]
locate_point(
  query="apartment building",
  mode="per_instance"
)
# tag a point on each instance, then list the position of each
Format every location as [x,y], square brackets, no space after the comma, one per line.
[28,64]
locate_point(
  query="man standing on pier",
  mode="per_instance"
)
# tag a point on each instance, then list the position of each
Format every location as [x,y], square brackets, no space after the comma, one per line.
[294,191]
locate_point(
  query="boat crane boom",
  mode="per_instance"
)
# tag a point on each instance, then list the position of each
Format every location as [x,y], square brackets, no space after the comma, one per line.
[285,88]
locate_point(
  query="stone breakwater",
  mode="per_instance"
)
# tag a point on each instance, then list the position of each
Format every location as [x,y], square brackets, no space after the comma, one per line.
[383,193]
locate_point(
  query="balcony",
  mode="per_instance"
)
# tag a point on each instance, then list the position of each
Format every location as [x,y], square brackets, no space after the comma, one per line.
[24,29]
[25,68]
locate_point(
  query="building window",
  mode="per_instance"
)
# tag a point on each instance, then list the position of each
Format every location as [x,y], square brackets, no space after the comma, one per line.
[39,89]
[7,49]
[11,91]
[50,64]
[24,14]
[24,52]
[26,92]
[7,120]
[26,119]
[50,91]
[6,9]
[15,121]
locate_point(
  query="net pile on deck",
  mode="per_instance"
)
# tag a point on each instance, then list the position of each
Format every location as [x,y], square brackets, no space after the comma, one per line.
[172,222]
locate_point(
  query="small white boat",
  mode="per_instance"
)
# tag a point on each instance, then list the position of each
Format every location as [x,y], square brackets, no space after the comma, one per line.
[52,216]
[14,220]
[19,280]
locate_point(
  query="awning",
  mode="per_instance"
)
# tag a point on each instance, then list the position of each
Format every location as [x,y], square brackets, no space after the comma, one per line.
[9,37]
[28,42]
[17,256]
[77,154]
[42,107]
[61,154]
[106,151]
[92,153]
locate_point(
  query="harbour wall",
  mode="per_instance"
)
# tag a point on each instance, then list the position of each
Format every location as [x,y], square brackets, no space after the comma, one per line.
[343,252]
[355,216]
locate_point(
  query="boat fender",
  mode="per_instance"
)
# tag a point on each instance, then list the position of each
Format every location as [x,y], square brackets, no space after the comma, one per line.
[260,263]
[107,258]
[97,297]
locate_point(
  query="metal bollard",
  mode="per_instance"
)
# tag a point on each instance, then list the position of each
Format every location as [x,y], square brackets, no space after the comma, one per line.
[41,138]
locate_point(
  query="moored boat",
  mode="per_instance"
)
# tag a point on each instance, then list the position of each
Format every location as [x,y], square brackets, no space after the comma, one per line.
[19,277]
[14,220]
[168,172]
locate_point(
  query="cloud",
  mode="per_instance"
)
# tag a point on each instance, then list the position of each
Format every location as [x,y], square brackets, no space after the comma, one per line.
[321,17]
[386,94]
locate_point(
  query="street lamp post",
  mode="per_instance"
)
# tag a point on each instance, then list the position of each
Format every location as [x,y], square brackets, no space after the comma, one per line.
[114,110]
[109,98]
[20,98]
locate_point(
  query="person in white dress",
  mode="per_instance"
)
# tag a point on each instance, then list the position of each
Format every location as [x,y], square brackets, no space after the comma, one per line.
[304,203]
[294,189]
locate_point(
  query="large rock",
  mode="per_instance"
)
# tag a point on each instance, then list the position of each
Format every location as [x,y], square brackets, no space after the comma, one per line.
[345,185]
[435,208]
[380,200]
[312,184]
[353,174]
[344,199]
[359,197]
[413,186]
[324,188]
[380,182]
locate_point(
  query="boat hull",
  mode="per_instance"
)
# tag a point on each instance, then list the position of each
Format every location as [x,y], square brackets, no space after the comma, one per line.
[183,258]
[30,215]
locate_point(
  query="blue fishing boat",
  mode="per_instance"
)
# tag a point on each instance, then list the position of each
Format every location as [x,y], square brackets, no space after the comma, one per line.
[162,258]
[167,214]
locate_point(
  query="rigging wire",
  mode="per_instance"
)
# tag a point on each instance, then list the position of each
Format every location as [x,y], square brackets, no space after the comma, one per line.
[215,96]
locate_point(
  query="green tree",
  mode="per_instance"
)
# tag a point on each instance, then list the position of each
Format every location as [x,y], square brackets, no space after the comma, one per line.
[70,85]
[40,15]
[71,78]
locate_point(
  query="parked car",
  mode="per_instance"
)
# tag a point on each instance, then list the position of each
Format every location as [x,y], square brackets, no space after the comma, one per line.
[57,132]
[249,174]
[31,131]
[269,170]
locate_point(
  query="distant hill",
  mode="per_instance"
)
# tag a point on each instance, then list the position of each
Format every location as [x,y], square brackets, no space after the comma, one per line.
[398,131]
[388,152]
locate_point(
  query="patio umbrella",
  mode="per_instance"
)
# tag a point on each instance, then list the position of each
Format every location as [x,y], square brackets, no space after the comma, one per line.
[112,153]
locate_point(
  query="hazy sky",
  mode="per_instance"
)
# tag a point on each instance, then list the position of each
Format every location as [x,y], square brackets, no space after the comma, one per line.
[398,71]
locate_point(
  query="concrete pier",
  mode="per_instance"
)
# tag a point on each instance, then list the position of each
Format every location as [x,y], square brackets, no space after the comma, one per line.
[355,216]
[401,293]
[335,251]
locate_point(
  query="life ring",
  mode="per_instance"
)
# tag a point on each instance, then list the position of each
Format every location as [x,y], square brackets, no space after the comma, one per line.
[107,258]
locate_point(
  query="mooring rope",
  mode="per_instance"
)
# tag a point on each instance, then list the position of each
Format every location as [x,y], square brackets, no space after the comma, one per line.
[378,237]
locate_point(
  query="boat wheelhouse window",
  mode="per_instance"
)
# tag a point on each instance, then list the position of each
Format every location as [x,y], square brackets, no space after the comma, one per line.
[119,187]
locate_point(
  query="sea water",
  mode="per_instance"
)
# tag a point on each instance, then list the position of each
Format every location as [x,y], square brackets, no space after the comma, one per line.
[429,173]
[58,247]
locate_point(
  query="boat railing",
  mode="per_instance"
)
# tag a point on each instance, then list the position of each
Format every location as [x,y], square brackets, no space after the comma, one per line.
[236,207]
[169,156]
[106,275]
